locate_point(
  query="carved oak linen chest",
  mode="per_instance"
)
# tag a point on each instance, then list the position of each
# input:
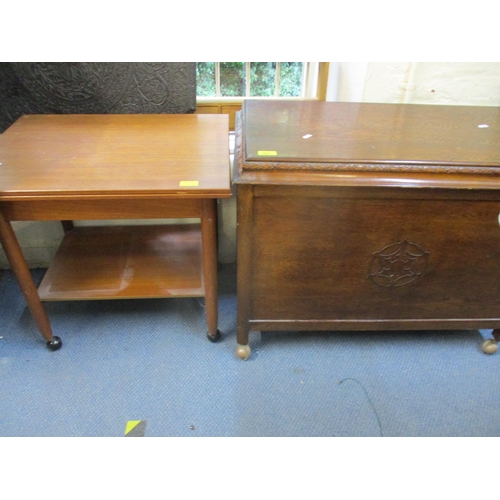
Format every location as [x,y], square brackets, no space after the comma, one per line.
[364,216]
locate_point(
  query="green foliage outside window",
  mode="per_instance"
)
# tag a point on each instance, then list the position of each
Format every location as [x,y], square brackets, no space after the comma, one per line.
[232,79]
[290,79]
[205,79]
[262,79]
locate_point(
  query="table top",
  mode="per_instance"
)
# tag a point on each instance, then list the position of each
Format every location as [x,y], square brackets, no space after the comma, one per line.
[371,132]
[366,139]
[115,156]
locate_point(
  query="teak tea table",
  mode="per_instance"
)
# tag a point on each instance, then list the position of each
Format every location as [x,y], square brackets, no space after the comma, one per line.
[361,216]
[90,167]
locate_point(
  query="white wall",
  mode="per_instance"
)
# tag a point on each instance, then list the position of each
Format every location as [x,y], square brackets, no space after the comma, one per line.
[456,83]
[397,82]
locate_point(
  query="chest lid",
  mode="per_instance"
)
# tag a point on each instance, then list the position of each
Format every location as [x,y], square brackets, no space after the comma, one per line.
[342,136]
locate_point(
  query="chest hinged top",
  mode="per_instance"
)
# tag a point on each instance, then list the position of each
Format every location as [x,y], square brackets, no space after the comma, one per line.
[368,137]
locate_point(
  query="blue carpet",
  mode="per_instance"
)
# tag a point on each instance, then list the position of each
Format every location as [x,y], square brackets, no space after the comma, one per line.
[150,360]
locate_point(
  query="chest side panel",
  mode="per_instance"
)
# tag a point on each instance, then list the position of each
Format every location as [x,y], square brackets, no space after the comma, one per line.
[373,258]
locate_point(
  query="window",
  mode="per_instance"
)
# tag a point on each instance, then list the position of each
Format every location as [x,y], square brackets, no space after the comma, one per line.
[222,86]
[250,79]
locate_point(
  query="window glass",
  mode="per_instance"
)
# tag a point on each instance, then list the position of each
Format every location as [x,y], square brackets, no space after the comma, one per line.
[205,79]
[232,79]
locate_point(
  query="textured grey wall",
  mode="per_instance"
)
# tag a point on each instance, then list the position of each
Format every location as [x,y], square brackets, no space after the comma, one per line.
[28,88]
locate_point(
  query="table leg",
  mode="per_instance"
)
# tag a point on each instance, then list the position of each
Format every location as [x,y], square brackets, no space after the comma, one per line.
[28,288]
[67,225]
[244,257]
[209,250]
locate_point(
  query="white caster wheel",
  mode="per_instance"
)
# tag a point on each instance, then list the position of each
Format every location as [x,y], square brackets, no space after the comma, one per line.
[243,351]
[490,346]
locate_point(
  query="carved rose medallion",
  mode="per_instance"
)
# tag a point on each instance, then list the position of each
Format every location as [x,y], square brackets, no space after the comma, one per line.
[398,264]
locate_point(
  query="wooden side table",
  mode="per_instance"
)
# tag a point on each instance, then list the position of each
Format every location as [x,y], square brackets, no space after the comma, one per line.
[363,216]
[82,167]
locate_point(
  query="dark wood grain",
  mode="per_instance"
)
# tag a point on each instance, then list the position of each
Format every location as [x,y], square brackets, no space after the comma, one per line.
[244,260]
[348,248]
[312,256]
[411,134]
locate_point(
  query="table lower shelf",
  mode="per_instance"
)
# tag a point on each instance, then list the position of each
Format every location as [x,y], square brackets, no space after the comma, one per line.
[126,262]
